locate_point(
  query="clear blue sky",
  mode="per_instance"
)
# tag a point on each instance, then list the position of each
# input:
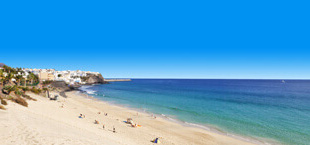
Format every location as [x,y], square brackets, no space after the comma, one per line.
[260,39]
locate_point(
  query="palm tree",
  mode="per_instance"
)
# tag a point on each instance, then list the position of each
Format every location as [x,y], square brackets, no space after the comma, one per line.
[1,82]
[8,78]
[25,79]
[10,89]
[25,89]
[33,78]
[6,68]
[18,69]
[18,79]
[22,74]
[36,78]
[30,77]
[13,70]
[1,77]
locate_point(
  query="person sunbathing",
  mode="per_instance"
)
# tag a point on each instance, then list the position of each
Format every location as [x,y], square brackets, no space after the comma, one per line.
[96,122]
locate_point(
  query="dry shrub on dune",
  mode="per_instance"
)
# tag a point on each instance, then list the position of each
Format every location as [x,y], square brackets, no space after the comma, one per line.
[35,90]
[20,101]
[10,98]
[3,102]
[28,97]
[2,107]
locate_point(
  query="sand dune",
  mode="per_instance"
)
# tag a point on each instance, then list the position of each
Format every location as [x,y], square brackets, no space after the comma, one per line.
[46,122]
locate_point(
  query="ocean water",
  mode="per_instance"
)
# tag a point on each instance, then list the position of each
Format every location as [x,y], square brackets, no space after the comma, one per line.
[260,109]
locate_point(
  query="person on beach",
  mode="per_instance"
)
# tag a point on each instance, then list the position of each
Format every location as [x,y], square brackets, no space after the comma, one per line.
[114,129]
[80,116]
[103,126]
[96,122]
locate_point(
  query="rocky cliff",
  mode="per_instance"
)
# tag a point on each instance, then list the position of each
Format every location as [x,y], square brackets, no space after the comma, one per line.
[94,79]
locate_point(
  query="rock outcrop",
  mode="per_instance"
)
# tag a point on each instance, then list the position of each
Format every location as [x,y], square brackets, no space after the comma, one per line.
[94,79]
[62,85]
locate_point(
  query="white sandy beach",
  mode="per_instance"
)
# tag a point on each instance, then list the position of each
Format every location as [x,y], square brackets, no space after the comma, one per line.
[46,122]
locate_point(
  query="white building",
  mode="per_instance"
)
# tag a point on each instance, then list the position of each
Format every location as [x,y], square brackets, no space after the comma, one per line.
[70,77]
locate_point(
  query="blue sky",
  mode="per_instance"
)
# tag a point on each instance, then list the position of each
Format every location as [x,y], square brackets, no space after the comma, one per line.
[160,39]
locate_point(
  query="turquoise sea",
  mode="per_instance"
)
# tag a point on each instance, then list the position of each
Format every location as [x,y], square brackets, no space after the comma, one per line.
[266,110]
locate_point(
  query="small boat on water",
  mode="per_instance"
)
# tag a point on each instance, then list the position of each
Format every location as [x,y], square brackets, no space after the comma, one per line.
[283,81]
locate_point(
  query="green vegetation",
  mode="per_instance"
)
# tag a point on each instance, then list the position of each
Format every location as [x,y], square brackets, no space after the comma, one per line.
[17,89]
[9,89]
[33,78]
[18,79]
[8,73]
[18,93]
[1,78]
[47,82]
[25,89]
[35,90]
[10,98]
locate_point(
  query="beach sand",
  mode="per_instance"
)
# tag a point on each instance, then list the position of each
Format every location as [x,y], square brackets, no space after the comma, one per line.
[46,122]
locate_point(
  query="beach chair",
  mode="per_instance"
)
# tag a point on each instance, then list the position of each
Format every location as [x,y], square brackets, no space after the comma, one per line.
[56,97]
[156,140]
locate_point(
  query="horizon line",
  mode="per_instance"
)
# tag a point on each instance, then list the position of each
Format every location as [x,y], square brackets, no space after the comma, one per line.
[210,78]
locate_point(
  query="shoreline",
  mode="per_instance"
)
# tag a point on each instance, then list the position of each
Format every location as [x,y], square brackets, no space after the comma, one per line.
[47,121]
[208,128]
